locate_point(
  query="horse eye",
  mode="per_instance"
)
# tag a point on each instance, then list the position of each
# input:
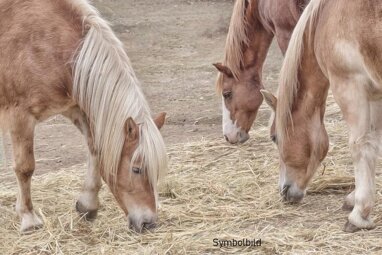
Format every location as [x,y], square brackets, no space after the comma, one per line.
[227,95]
[137,170]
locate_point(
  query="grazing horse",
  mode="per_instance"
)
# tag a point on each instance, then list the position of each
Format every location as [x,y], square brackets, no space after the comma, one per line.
[331,46]
[61,57]
[253,25]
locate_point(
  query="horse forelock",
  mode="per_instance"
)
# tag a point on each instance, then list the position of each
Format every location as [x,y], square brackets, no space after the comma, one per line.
[107,90]
[288,81]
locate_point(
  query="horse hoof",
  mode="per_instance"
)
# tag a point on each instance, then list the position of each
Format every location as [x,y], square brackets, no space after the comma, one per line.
[31,229]
[30,222]
[347,207]
[350,228]
[88,215]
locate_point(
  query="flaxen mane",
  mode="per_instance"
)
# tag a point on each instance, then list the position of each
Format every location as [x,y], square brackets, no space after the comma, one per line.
[106,88]
[236,38]
[288,83]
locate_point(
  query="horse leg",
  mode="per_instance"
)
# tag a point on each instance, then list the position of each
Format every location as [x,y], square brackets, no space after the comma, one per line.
[376,120]
[22,133]
[88,202]
[364,149]
[283,38]
[349,201]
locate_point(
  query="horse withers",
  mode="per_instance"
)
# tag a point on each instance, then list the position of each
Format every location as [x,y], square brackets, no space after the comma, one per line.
[61,57]
[253,25]
[331,47]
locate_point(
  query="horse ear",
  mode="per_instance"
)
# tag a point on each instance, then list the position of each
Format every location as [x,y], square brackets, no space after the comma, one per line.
[131,129]
[223,69]
[160,119]
[269,98]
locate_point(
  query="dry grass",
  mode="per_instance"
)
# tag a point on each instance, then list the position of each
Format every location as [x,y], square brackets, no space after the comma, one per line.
[213,190]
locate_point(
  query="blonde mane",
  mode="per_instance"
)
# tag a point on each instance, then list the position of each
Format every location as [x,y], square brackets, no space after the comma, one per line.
[236,38]
[107,90]
[288,82]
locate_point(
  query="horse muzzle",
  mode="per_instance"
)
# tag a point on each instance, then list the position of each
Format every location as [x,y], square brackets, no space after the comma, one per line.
[237,137]
[141,222]
[292,194]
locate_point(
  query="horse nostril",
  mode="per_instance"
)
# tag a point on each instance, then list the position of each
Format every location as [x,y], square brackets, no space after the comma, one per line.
[284,191]
[243,137]
[226,138]
[149,225]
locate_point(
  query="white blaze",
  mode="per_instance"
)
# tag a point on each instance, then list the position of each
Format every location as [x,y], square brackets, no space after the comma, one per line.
[229,127]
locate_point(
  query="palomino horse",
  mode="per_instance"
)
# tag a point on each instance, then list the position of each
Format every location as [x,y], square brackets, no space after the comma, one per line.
[60,57]
[254,23]
[331,46]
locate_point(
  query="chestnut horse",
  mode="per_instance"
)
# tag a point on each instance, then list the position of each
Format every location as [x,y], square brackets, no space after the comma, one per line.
[253,25]
[330,45]
[61,57]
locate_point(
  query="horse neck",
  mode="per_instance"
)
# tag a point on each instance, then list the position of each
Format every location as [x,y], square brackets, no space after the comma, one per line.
[312,87]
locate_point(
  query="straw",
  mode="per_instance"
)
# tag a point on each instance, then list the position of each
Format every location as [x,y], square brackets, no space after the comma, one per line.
[213,190]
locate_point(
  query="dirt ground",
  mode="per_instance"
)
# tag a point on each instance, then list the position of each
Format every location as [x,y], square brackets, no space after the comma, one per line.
[172,44]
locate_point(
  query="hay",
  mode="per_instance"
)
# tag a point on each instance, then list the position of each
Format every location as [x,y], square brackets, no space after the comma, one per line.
[213,190]
[332,184]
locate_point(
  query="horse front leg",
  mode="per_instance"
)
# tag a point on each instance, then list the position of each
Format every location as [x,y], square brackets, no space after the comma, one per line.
[22,133]
[364,146]
[88,202]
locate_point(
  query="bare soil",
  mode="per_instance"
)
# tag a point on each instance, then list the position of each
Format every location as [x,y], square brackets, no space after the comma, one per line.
[172,45]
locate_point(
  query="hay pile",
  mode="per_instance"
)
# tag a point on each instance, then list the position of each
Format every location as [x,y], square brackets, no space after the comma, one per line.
[213,190]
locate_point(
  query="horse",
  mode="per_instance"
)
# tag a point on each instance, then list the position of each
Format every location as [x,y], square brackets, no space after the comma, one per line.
[331,47]
[61,57]
[254,24]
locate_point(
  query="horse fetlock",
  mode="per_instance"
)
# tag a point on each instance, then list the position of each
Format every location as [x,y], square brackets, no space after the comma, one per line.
[349,202]
[30,221]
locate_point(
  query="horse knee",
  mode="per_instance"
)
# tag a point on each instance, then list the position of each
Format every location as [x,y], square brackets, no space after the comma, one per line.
[366,146]
[25,169]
